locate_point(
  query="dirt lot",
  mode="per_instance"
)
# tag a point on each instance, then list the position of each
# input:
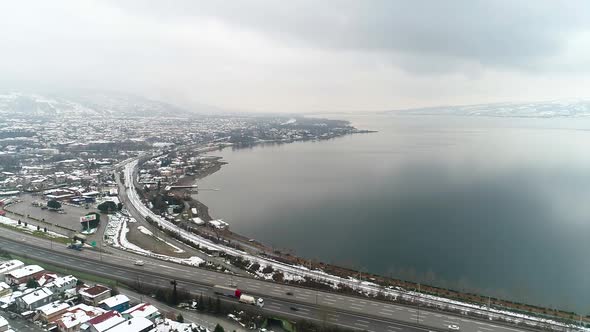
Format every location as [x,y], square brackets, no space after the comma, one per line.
[68,223]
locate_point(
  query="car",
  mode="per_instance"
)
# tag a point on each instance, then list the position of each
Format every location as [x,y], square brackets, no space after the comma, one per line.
[289,293]
[454,327]
[12,315]
[139,263]
[294,309]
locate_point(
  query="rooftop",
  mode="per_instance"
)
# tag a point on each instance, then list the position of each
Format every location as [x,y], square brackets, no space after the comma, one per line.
[135,324]
[106,320]
[115,300]
[25,271]
[95,291]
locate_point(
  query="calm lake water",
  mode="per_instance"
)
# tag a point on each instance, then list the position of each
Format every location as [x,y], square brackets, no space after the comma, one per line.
[499,206]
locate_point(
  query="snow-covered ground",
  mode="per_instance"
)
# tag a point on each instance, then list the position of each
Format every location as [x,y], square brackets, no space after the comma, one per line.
[29,228]
[367,288]
[116,236]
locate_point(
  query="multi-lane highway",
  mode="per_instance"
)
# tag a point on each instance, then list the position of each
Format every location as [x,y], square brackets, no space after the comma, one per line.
[346,311]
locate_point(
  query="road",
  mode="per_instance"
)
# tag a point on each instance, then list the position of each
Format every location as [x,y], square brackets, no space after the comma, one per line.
[318,306]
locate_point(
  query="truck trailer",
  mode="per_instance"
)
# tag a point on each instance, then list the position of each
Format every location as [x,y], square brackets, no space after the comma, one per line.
[226,291]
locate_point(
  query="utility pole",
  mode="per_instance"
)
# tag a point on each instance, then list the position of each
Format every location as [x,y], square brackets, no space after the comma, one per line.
[174,294]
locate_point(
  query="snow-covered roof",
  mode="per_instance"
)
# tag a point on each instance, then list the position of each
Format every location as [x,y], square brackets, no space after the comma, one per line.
[62,281]
[3,286]
[106,320]
[52,308]
[36,295]
[135,324]
[79,314]
[141,310]
[3,322]
[10,266]
[94,291]
[114,301]
[25,271]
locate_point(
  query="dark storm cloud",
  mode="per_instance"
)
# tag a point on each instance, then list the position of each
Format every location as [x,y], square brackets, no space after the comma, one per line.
[416,33]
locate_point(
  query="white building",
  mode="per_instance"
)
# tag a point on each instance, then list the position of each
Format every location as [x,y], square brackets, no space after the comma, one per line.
[50,312]
[144,310]
[137,324]
[62,284]
[71,320]
[9,266]
[34,299]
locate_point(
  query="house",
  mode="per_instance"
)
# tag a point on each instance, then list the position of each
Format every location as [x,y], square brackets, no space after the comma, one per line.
[103,322]
[118,303]
[52,311]
[9,266]
[137,324]
[22,275]
[34,299]
[93,295]
[4,289]
[62,284]
[144,310]
[71,320]
[3,324]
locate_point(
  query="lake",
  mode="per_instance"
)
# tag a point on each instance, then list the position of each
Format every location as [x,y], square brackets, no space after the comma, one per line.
[499,206]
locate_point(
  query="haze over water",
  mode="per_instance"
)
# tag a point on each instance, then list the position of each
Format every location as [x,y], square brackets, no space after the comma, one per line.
[494,205]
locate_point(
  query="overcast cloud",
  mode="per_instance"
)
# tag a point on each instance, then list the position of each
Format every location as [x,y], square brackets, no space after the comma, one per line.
[301,56]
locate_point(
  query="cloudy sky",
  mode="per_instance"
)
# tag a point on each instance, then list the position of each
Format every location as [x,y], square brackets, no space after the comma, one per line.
[301,56]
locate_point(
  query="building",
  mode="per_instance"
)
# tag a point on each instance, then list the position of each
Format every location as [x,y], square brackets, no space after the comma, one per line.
[4,289]
[52,311]
[23,274]
[3,324]
[93,295]
[75,316]
[118,303]
[103,322]
[62,284]
[144,310]
[137,324]
[9,266]
[34,299]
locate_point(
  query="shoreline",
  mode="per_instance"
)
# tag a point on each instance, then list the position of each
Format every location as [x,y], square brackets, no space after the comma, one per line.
[292,258]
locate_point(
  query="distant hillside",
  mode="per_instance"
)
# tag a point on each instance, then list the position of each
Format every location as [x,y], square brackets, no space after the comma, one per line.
[87,104]
[547,109]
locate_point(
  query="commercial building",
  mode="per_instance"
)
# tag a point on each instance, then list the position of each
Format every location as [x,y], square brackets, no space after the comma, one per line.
[23,274]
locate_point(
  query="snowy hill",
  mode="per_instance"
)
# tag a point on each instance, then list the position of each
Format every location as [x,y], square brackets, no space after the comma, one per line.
[86,105]
[547,109]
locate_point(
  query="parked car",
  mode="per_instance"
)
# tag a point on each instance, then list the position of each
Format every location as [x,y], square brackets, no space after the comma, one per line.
[139,263]
[454,327]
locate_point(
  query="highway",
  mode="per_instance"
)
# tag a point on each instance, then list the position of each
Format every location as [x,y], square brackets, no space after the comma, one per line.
[318,306]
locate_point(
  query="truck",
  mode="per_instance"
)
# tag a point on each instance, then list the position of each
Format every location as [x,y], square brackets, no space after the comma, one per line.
[226,291]
[249,299]
[76,246]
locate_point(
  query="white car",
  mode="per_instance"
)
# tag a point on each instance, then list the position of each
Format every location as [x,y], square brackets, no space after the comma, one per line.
[139,263]
[260,302]
[454,327]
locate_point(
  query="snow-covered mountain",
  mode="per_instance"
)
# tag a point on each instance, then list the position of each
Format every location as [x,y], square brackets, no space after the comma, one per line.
[86,105]
[546,109]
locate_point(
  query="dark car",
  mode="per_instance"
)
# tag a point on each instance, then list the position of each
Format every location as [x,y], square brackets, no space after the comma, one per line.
[289,293]
[294,309]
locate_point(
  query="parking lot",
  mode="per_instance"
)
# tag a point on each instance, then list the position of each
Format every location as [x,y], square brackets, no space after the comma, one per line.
[69,221]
